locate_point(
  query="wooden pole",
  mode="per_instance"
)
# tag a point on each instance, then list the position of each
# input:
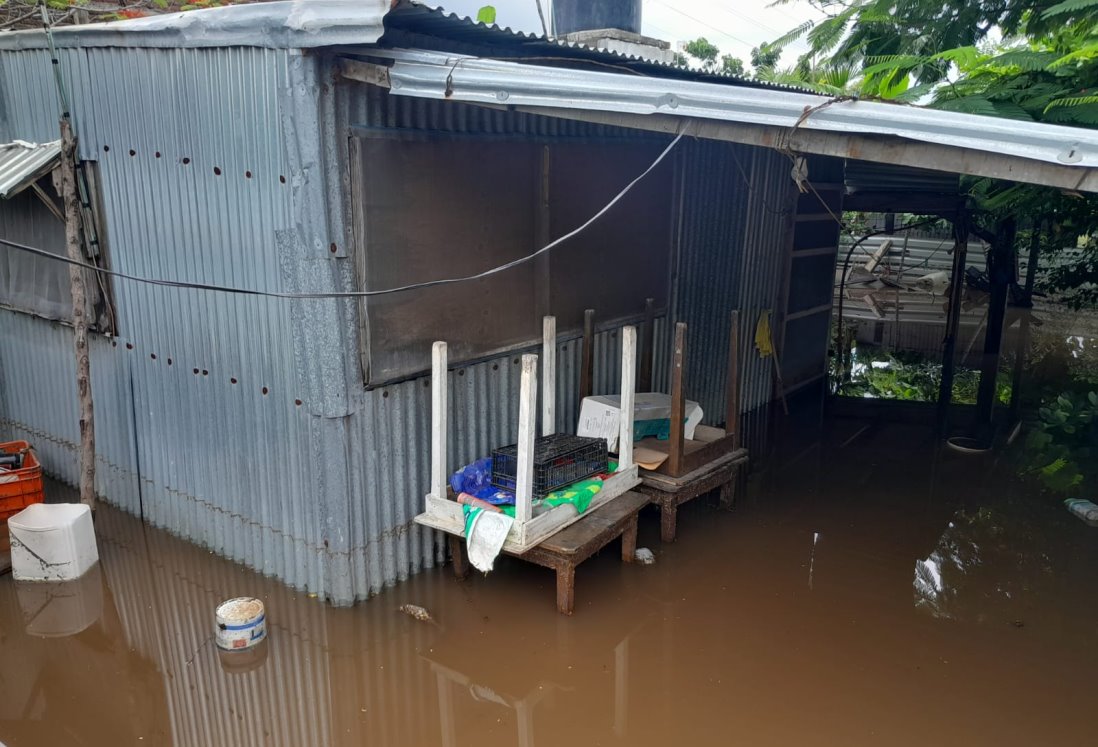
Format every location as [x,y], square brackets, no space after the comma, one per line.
[1000,272]
[549,376]
[678,402]
[949,346]
[440,476]
[732,405]
[587,362]
[628,396]
[1027,315]
[524,480]
[78,289]
[647,349]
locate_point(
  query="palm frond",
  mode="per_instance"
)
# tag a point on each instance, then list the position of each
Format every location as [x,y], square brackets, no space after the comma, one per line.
[1071,101]
[968,105]
[1025,60]
[893,62]
[1069,6]
[1085,52]
[789,37]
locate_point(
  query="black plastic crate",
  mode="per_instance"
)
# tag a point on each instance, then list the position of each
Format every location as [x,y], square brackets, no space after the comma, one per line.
[559,460]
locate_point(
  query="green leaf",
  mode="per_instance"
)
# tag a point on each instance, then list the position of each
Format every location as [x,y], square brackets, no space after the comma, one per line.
[969,105]
[788,37]
[891,63]
[487,15]
[1093,397]
[1084,53]
[1069,6]
[1024,59]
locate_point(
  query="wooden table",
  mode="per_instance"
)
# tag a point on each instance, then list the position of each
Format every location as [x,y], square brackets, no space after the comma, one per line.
[574,544]
[671,492]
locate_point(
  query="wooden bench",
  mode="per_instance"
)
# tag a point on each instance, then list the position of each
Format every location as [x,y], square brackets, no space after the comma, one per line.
[569,547]
[671,492]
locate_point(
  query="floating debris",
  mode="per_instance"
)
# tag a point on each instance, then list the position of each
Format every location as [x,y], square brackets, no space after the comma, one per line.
[644,556]
[414,610]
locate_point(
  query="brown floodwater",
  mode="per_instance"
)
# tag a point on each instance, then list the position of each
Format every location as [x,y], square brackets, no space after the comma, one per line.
[865,593]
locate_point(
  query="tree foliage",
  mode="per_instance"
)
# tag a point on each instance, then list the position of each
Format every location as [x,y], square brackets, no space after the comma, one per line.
[704,52]
[1029,60]
[732,65]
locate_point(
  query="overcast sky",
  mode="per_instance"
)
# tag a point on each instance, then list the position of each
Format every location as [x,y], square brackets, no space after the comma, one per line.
[733,25]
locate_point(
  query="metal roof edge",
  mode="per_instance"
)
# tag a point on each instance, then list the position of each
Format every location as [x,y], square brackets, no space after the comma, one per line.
[22,163]
[287,24]
[498,82]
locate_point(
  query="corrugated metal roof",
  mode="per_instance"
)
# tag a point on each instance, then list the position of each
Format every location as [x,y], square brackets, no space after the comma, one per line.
[319,23]
[415,17]
[495,82]
[22,163]
[277,25]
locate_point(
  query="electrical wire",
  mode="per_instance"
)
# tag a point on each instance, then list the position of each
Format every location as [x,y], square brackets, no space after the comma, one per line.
[356,294]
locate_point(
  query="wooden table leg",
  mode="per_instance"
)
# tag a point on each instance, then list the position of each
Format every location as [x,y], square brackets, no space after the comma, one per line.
[728,492]
[669,510]
[629,541]
[566,588]
[457,552]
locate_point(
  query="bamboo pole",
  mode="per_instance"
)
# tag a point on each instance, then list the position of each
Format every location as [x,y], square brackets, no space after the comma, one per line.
[78,289]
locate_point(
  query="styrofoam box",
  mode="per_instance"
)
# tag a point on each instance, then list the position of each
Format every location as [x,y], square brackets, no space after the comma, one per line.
[52,542]
[600,416]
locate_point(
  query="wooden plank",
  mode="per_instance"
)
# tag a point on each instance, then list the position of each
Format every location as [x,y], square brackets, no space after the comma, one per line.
[732,396]
[582,534]
[678,401]
[670,483]
[74,246]
[524,480]
[868,147]
[364,72]
[587,361]
[439,413]
[628,396]
[647,350]
[548,376]
[808,312]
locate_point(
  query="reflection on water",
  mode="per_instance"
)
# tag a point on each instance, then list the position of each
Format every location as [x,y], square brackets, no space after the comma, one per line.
[787,621]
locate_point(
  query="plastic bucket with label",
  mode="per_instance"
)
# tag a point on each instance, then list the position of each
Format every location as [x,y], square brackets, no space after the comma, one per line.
[241,624]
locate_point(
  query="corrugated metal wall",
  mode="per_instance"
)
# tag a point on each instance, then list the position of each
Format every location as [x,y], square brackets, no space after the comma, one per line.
[200,394]
[731,255]
[241,423]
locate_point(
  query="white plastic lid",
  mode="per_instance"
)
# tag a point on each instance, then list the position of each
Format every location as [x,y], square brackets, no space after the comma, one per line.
[44,517]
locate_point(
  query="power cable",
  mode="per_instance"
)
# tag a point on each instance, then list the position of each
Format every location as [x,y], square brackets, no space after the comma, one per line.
[356,294]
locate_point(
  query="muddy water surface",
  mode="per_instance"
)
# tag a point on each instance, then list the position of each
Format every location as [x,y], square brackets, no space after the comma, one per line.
[859,595]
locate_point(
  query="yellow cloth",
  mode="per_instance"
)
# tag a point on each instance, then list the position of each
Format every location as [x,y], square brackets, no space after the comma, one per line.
[762,336]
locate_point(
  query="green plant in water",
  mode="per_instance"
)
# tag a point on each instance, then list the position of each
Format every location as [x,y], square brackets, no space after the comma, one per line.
[1060,449]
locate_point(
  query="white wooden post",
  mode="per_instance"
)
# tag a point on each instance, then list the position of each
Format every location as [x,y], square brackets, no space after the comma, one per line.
[549,376]
[527,425]
[439,411]
[628,396]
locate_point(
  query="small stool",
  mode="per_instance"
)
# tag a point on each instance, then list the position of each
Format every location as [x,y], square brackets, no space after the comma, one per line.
[671,492]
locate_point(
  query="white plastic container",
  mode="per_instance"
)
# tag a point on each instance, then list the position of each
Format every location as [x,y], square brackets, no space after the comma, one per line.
[241,624]
[52,542]
[1085,510]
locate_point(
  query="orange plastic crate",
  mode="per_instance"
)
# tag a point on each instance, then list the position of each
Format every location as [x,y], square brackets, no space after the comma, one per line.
[21,487]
